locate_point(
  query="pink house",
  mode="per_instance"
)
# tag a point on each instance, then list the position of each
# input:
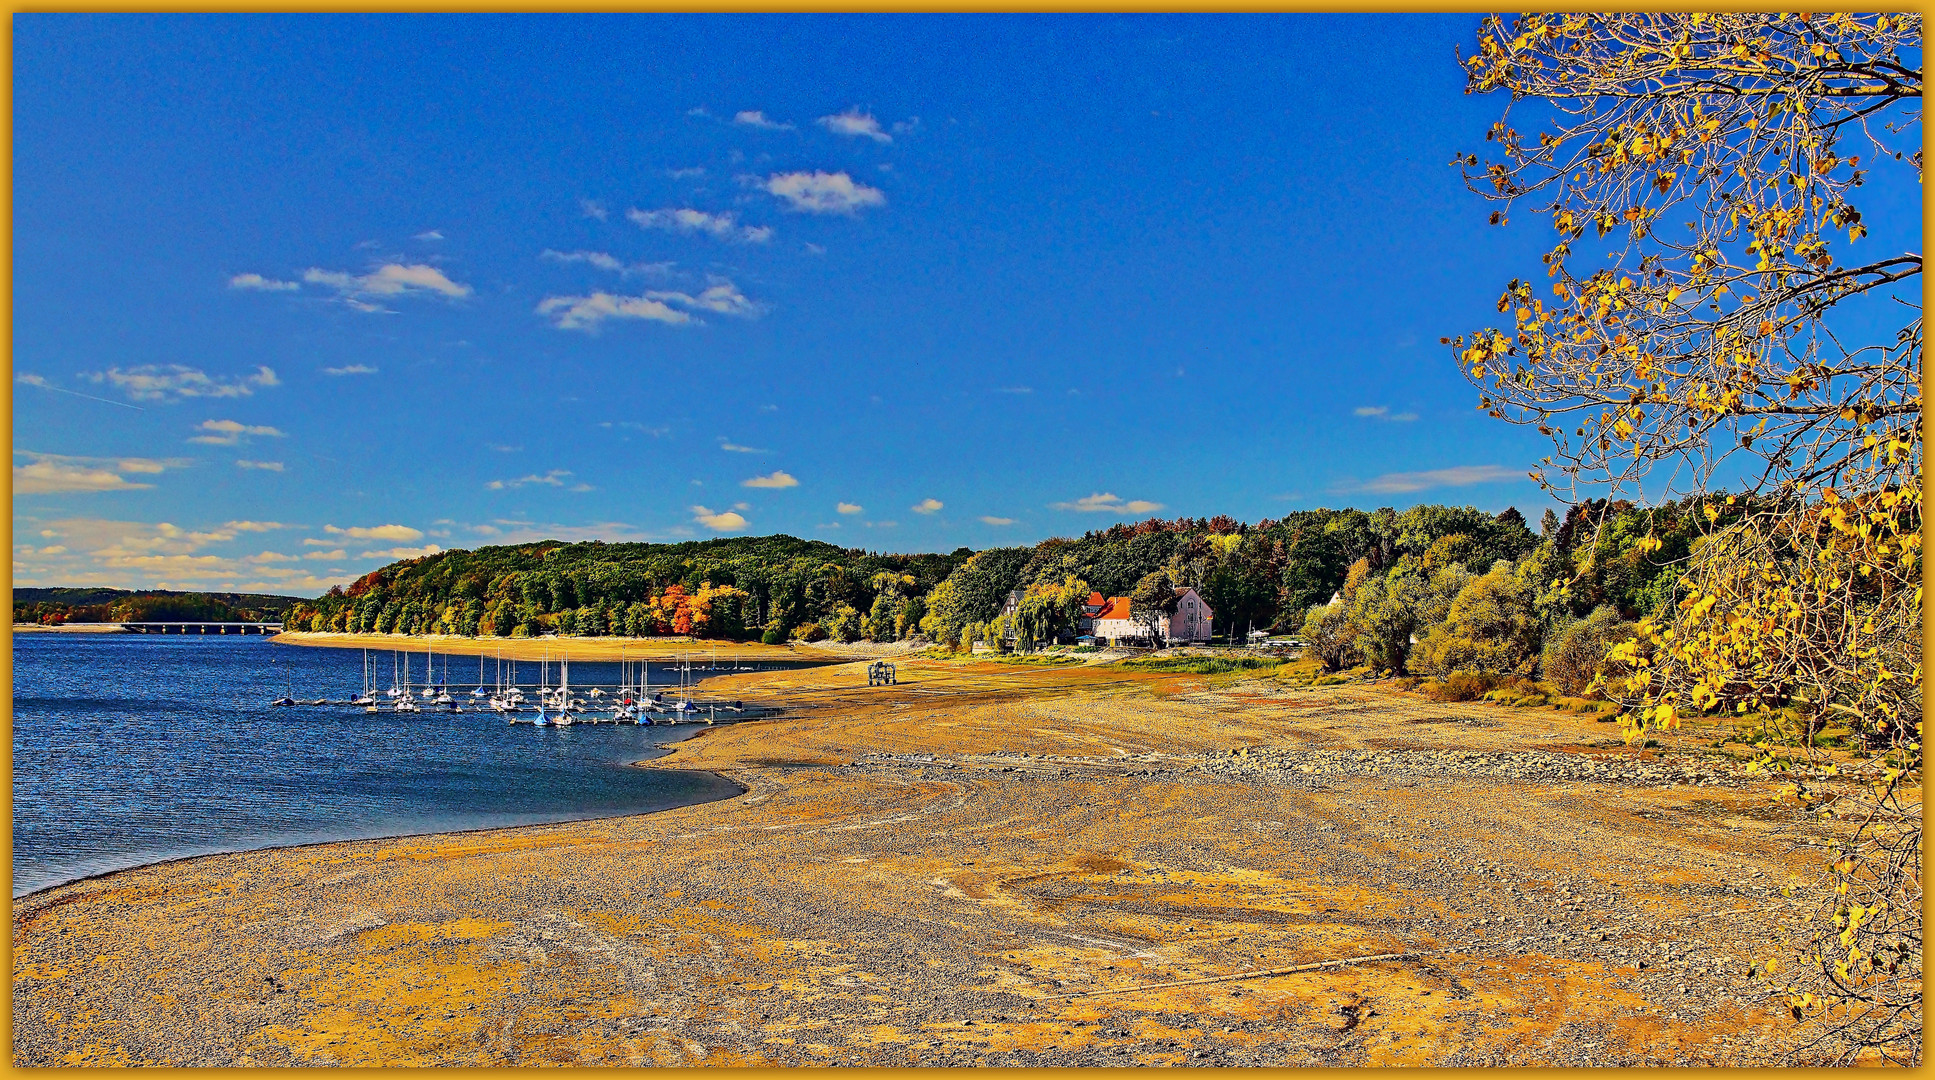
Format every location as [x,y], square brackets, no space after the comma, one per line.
[1190,623]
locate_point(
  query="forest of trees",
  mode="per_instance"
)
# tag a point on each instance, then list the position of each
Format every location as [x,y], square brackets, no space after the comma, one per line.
[770,587]
[53,606]
[1479,591]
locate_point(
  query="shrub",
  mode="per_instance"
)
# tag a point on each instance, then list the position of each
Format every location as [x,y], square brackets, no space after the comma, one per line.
[809,632]
[1490,626]
[844,624]
[1202,665]
[1577,654]
[1332,637]
[1390,610]
[1462,686]
[774,636]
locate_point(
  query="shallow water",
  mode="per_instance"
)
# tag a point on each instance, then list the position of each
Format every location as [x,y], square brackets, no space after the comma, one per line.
[128,749]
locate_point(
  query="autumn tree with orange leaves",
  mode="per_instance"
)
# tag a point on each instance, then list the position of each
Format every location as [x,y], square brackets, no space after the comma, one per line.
[1715,314]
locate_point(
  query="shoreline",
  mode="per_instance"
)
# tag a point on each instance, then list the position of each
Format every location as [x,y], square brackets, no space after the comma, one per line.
[665,750]
[600,648]
[988,864]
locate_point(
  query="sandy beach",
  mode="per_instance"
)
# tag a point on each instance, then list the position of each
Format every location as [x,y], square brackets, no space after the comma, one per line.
[601,648]
[991,864]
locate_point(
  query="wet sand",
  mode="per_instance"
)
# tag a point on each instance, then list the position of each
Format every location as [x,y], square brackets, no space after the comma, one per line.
[988,864]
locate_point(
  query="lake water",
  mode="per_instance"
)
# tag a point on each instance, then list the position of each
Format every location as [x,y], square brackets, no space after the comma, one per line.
[129,749]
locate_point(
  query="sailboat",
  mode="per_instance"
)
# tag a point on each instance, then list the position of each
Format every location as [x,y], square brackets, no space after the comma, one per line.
[366,698]
[564,692]
[396,685]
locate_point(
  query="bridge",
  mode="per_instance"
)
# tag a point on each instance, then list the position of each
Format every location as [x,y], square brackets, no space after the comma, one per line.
[202,627]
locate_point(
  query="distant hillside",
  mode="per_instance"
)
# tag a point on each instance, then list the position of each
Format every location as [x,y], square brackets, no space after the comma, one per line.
[733,587]
[84,605]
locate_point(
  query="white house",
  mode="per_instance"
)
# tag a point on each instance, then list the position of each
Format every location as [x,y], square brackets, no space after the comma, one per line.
[1190,623]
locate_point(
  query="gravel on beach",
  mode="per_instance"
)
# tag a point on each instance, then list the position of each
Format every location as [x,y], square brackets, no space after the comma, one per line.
[947,871]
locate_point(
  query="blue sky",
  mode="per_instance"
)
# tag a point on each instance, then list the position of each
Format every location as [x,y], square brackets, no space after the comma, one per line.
[294,297]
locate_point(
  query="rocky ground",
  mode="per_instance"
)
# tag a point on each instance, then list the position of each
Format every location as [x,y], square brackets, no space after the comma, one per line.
[992,865]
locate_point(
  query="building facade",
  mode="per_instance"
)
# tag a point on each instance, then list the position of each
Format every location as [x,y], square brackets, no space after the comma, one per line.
[1190,624]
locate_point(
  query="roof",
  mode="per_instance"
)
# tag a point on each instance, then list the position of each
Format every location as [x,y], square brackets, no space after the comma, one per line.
[1118,608]
[1095,599]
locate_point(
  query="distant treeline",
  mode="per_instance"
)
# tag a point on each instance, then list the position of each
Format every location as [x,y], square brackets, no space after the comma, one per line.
[733,588]
[1266,575]
[51,607]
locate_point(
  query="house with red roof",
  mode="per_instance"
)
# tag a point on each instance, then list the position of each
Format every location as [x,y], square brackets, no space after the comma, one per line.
[1112,622]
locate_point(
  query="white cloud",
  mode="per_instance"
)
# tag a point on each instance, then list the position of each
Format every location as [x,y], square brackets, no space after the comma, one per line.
[507,531]
[1107,503]
[688,173]
[352,369]
[388,280]
[262,284]
[856,123]
[431,234]
[131,554]
[985,520]
[849,508]
[823,193]
[402,552]
[927,506]
[230,432]
[1383,412]
[755,118]
[722,297]
[335,555]
[29,379]
[723,226]
[612,263]
[270,557]
[1014,389]
[728,445]
[656,432]
[777,479]
[729,521]
[554,478]
[1456,476]
[267,466]
[255,526]
[593,209]
[587,312]
[59,474]
[174,382]
[374,532]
